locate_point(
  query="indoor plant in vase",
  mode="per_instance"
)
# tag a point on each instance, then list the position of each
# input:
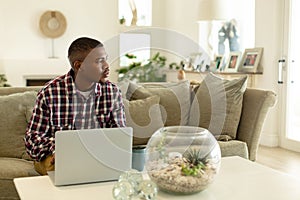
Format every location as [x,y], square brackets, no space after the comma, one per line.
[151,71]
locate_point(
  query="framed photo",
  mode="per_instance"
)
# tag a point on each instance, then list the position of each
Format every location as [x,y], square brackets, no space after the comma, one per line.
[218,63]
[233,62]
[250,60]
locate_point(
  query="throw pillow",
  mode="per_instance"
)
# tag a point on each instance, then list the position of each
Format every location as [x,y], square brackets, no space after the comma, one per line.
[14,118]
[217,106]
[174,99]
[144,117]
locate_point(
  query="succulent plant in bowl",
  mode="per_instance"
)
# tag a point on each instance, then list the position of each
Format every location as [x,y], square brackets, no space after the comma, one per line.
[182,159]
[193,164]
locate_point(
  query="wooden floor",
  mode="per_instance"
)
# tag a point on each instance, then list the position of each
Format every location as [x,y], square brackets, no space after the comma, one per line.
[280,159]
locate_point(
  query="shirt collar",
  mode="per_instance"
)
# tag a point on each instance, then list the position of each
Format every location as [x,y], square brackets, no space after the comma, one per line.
[70,79]
[98,89]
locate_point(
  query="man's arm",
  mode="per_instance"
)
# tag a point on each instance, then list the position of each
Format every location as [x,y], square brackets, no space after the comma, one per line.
[39,140]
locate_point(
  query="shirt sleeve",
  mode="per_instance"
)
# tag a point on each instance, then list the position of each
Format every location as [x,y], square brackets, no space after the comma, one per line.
[118,112]
[39,140]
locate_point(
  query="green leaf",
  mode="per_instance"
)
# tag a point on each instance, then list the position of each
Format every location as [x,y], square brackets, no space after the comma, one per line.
[130,56]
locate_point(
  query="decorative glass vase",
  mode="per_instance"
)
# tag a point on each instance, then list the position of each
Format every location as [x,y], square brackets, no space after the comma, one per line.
[182,159]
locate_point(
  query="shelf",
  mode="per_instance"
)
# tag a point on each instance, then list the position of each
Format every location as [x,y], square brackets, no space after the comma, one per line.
[133,29]
[225,73]
[199,76]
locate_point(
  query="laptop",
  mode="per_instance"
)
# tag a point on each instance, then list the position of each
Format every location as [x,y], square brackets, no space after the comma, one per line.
[93,155]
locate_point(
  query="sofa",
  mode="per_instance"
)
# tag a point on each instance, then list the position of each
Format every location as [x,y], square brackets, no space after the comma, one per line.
[16,103]
[237,123]
[166,104]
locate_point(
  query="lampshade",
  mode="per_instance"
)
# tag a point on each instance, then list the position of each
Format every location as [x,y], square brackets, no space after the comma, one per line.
[215,10]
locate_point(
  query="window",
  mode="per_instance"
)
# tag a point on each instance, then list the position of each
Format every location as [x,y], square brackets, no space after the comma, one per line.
[137,44]
[143,11]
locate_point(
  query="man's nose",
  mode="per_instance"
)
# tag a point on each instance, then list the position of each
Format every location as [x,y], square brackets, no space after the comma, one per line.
[105,64]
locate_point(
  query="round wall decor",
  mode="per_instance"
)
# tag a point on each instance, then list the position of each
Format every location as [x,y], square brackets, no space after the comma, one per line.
[53,24]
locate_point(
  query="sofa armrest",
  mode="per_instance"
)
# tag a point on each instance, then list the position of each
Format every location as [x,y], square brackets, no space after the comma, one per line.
[256,104]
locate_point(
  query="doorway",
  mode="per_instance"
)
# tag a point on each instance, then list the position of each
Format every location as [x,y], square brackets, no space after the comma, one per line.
[290,137]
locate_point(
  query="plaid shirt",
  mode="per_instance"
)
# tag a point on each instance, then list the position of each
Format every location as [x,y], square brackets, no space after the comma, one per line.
[59,106]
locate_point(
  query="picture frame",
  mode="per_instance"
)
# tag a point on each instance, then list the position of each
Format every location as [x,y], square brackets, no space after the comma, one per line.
[250,60]
[218,62]
[233,61]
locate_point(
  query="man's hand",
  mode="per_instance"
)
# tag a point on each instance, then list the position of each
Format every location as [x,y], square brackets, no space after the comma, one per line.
[52,161]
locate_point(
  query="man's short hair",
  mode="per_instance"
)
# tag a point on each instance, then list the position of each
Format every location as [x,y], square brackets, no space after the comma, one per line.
[80,48]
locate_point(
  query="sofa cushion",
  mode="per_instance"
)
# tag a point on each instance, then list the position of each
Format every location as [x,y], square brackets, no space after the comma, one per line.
[174,99]
[144,117]
[11,168]
[217,106]
[8,190]
[14,115]
[234,148]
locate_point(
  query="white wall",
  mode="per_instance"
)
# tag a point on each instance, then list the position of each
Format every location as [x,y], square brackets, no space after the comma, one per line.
[269,19]
[22,42]
[20,37]
[181,16]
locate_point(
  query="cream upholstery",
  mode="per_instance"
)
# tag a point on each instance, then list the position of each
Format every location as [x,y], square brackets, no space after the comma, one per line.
[217,106]
[256,104]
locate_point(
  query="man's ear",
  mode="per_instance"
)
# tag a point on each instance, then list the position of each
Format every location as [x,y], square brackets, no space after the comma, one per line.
[77,65]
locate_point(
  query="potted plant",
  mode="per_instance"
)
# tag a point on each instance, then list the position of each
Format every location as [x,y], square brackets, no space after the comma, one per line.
[152,71]
[3,81]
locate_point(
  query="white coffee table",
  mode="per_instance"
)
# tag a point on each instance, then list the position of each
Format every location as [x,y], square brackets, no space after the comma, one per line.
[238,179]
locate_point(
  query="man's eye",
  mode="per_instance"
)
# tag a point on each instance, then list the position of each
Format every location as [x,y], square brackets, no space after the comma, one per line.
[101,60]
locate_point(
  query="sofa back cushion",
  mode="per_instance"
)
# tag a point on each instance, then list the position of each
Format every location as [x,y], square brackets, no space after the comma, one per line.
[217,106]
[174,99]
[144,116]
[15,112]
[13,90]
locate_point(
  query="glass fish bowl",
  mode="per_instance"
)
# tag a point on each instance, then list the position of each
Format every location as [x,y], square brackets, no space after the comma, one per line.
[182,159]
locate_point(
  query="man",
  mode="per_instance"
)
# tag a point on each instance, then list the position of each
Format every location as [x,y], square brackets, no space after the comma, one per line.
[81,99]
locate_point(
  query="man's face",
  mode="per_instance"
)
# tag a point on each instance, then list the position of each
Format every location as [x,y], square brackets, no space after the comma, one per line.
[94,67]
